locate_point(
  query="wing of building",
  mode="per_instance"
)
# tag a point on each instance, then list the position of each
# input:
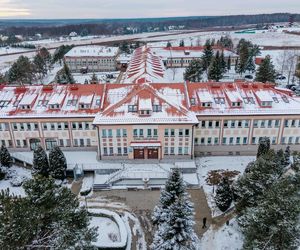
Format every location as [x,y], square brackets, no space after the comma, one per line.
[146,120]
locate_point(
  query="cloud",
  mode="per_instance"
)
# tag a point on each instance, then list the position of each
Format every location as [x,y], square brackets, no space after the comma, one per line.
[147,8]
[12,9]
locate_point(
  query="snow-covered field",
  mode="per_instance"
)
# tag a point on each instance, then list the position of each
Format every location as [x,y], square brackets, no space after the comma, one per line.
[102,77]
[227,163]
[8,50]
[265,38]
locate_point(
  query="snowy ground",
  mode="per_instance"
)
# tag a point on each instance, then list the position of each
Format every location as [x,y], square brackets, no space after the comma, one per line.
[102,77]
[8,50]
[224,238]
[262,38]
[16,173]
[207,164]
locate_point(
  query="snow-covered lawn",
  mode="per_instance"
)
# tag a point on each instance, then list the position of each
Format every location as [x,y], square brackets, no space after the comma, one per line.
[224,238]
[102,77]
[16,175]
[227,163]
[8,50]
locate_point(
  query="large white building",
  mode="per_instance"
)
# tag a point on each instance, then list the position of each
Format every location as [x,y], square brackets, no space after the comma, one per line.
[92,58]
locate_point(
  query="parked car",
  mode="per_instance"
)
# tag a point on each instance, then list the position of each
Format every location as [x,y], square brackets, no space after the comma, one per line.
[280,77]
[248,77]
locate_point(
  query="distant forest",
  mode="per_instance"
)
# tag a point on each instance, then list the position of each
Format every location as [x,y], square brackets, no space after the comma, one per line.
[60,27]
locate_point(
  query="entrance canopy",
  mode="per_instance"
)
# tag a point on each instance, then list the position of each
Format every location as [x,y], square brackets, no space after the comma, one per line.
[145,144]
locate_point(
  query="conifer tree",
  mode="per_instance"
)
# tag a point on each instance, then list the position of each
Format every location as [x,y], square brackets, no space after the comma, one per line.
[266,71]
[2,79]
[169,44]
[177,232]
[40,162]
[48,217]
[263,147]
[258,176]
[40,65]
[194,71]
[215,71]
[229,63]
[21,72]
[243,58]
[5,157]
[64,75]
[223,63]
[274,222]
[57,163]
[207,56]
[174,216]
[224,195]
[287,156]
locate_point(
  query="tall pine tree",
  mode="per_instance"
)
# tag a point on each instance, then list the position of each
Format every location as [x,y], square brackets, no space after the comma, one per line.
[194,71]
[207,56]
[223,197]
[5,157]
[40,162]
[174,217]
[266,71]
[57,163]
[215,71]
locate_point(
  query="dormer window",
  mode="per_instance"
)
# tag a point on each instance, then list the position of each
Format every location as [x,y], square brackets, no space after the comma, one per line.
[132,108]
[275,99]
[54,106]
[284,98]
[72,102]
[236,104]
[266,104]
[220,100]
[98,102]
[84,106]
[206,104]
[193,101]
[156,108]
[25,107]
[145,112]
[4,104]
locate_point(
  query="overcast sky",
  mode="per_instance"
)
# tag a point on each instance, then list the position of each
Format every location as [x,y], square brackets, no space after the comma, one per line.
[140,8]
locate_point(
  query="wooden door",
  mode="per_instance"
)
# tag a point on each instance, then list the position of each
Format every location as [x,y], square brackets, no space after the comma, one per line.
[152,153]
[139,153]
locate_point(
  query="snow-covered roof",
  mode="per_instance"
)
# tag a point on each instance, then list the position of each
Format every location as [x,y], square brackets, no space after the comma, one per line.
[93,51]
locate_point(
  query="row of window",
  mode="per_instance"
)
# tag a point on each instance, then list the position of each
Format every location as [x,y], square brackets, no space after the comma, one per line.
[109,151]
[244,140]
[145,132]
[178,151]
[114,132]
[176,132]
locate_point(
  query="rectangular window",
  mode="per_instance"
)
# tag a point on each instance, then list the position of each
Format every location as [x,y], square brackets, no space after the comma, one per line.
[277,122]
[66,125]
[172,132]
[74,125]
[203,124]
[119,151]
[186,150]
[246,123]
[111,151]
[290,140]
[88,142]
[104,133]
[216,141]
[210,124]
[61,142]
[269,123]
[238,140]
[155,132]
[286,123]
[180,132]
[166,132]
[239,124]
[59,126]
[24,143]
[124,132]
[224,140]
[217,124]
[75,142]
[273,140]
[105,151]
[149,132]
[209,140]
[297,140]
[80,125]
[81,142]
[118,132]
[253,140]
[202,140]
[125,151]
[166,150]
[255,123]
[283,140]
[245,140]
[187,132]
[231,140]
[110,134]
[135,132]
[262,123]
[233,124]
[180,151]
[293,123]
[225,124]
[172,151]
[141,132]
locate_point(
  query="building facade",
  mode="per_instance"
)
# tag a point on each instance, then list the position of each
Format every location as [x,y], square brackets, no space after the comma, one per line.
[92,59]
[150,120]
